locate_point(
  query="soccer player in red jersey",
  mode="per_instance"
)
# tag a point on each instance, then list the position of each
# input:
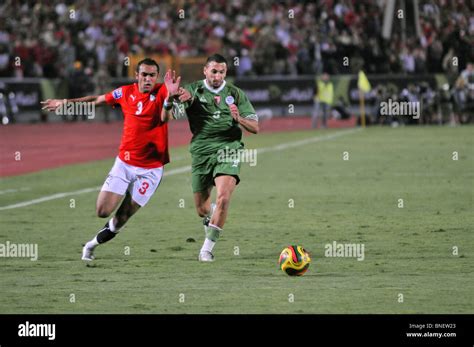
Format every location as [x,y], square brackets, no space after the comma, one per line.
[138,169]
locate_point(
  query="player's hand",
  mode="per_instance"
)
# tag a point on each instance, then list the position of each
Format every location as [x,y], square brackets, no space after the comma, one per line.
[184,95]
[52,104]
[172,83]
[234,112]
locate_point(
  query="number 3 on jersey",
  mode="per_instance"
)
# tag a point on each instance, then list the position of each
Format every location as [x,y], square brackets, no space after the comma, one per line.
[139,108]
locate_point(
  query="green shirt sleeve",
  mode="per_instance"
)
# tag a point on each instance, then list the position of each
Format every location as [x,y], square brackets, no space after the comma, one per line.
[246,109]
[192,89]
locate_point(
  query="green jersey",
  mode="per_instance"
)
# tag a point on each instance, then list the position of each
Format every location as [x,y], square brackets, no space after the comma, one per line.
[210,119]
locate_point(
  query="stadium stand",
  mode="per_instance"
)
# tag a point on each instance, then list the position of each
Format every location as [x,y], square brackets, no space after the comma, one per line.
[52,36]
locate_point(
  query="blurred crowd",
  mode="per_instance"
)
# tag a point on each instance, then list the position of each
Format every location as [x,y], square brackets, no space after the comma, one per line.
[446,105]
[55,38]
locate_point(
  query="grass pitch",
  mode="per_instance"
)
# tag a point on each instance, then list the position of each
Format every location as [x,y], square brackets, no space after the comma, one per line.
[399,193]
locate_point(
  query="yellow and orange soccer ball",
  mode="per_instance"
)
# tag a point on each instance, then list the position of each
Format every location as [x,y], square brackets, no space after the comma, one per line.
[294,260]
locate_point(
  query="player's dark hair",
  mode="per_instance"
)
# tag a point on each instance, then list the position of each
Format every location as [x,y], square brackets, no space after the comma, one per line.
[217,58]
[150,62]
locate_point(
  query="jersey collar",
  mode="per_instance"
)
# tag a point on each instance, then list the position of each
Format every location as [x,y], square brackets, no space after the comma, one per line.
[212,90]
[153,90]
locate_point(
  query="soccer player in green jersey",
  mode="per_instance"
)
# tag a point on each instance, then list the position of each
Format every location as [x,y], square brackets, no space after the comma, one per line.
[216,110]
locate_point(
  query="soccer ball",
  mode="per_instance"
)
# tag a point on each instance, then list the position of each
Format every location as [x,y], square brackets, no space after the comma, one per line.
[294,260]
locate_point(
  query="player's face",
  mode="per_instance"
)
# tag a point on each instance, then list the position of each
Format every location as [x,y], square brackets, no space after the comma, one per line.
[215,73]
[147,77]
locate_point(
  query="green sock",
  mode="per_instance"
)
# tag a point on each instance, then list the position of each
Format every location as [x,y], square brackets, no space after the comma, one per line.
[213,232]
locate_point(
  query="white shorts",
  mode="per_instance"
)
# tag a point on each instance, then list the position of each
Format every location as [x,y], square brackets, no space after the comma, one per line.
[140,182]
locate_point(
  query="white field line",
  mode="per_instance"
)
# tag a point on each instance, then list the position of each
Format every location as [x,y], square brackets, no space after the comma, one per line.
[7,191]
[293,144]
[48,197]
[187,168]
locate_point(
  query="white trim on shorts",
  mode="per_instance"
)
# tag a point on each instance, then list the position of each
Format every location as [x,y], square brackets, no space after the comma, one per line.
[140,182]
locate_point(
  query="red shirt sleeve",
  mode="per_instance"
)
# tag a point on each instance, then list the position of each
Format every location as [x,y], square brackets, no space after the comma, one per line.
[115,96]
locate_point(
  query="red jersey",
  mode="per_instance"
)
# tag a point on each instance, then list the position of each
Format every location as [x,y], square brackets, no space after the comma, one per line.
[145,137]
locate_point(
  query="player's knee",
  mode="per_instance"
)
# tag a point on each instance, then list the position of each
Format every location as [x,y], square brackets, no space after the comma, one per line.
[102,212]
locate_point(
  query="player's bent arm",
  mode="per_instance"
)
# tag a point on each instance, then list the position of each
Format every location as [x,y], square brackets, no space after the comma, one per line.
[172,109]
[172,88]
[167,111]
[251,125]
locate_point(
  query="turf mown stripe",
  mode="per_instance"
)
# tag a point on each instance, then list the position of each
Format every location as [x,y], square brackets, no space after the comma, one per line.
[187,168]
[77,192]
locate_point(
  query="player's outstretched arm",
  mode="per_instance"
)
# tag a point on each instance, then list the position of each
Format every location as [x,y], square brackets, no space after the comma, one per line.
[172,85]
[250,125]
[53,104]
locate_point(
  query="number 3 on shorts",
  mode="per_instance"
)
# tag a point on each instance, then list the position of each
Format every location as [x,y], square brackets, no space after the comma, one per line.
[143,188]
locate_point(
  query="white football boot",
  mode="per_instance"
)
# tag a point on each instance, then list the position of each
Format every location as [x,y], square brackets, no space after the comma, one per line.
[87,253]
[206,256]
